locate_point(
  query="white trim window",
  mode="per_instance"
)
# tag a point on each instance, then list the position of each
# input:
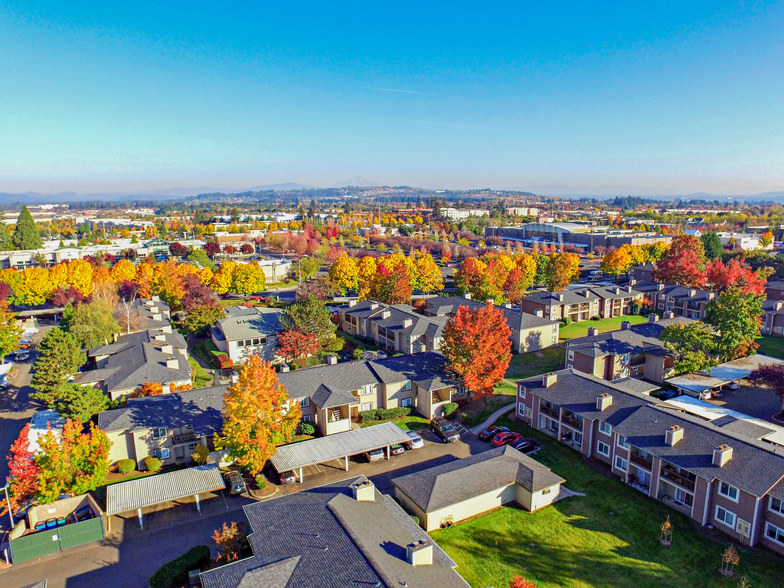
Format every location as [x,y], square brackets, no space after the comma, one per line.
[304,401]
[725,517]
[162,453]
[774,533]
[622,443]
[159,432]
[306,418]
[366,406]
[407,385]
[603,449]
[407,402]
[776,505]
[521,410]
[521,391]
[728,491]
[366,389]
[621,463]
[605,428]
[571,355]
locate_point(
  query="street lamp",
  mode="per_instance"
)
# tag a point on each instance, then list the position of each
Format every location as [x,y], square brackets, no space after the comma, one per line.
[8,502]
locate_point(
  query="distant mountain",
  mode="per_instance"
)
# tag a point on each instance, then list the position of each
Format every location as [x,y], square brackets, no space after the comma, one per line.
[356,181]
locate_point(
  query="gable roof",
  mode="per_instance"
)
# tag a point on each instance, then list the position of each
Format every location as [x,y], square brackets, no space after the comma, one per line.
[325,380]
[427,370]
[156,337]
[254,322]
[643,338]
[460,480]
[516,319]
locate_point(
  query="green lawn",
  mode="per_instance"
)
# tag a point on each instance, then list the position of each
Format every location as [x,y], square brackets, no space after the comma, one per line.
[576,330]
[535,363]
[608,538]
[772,346]
[505,389]
[407,423]
[231,302]
[201,378]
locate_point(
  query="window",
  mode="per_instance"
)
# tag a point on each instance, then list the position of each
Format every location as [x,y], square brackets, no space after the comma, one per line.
[521,391]
[603,449]
[774,533]
[555,328]
[158,432]
[256,341]
[304,401]
[366,406]
[367,389]
[459,391]
[162,453]
[407,385]
[306,418]
[571,355]
[578,438]
[521,410]
[240,343]
[728,491]
[545,491]
[605,428]
[555,340]
[248,342]
[776,505]
[621,463]
[407,402]
[622,442]
[726,517]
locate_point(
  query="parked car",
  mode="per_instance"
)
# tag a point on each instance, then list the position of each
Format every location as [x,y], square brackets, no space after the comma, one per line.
[396,449]
[668,394]
[4,382]
[235,483]
[416,441]
[526,445]
[375,455]
[21,355]
[733,386]
[286,477]
[491,432]
[505,438]
[444,429]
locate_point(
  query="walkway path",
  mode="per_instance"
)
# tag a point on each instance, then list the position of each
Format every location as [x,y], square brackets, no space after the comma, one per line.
[493,418]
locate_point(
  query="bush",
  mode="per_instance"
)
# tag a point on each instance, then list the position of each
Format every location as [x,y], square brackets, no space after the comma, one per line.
[368,416]
[175,573]
[469,418]
[449,409]
[152,464]
[200,455]
[566,321]
[414,518]
[306,429]
[126,466]
[261,482]
[384,414]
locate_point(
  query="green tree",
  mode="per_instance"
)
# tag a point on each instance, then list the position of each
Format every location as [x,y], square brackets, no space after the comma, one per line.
[10,332]
[59,356]
[737,319]
[712,245]
[311,316]
[80,402]
[93,324]
[693,343]
[200,257]
[26,234]
[6,240]
[202,317]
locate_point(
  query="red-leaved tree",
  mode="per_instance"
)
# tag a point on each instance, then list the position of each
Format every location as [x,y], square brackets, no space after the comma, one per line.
[22,472]
[736,274]
[212,248]
[294,343]
[246,249]
[683,263]
[476,343]
[520,582]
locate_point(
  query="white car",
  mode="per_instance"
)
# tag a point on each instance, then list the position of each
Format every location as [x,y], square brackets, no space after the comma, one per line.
[3,382]
[416,441]
[733,386]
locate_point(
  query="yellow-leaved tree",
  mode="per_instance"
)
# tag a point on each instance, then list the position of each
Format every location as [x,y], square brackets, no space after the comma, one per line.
[80,276]
[257,415]
[343,273]
[123,271]
[428,274]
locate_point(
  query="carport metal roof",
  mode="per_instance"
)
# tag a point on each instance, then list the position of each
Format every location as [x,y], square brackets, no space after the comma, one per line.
[339,445]
[721,374]
[136,494]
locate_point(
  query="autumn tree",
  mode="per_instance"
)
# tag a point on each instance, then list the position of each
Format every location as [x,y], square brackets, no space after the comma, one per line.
[257,415]
[148,389]
[123,271]
[429,277]
[59,356]
[520,582]
[10,332]
[736,274]
[22,472]
[476,343]
[311,317]
[343,274]
[393,285]
[729,559]
[248,278]
[294,344]
[616,262]
[93,324]
[683,263]
[693,343]
[772,377]
[737,320]
[26,234]
[178,250]
[231,543]
[200,318]
[223,279]
[559,272]
[212,249]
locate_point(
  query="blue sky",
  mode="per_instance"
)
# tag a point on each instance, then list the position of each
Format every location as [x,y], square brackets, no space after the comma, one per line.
[558,97]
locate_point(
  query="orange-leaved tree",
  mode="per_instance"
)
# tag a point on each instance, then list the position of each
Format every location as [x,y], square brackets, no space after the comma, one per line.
[148,389]
[22,472]
[257,415]
[520,582]
[476,343]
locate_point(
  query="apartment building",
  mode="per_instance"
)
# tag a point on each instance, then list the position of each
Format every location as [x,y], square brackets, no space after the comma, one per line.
[773,318]
[642,273]
[530,332]
[333,395]
[679,300]
[633,352]
[142,314]
[396,327]
[582,304]
[248,331]
[775,290]
[716,472]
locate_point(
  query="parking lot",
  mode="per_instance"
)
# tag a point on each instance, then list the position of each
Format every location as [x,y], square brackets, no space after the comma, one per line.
[757,402]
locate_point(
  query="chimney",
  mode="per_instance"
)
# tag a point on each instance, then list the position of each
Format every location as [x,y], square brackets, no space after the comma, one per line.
[352,303]
[467,295]
[167,329]
[364,491]
[419,553]
[373,305]
[625,325]
[332,359]
[779,305]
[156,317]
[407,323]
[628,288]
[721,455]
[711,295]
[539,313]
[115,337]
[549,379]
[284,368]
[593,331]
[653,318]
[603,401]
[386,314]
[673,435]
[560,297]
[156,298]
[692,293]
[160,337]
[167,349]
[173,363]
[148,303]
[660,287]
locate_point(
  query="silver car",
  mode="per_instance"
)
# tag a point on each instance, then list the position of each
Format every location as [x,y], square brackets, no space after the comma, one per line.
[3,382]
[416,441]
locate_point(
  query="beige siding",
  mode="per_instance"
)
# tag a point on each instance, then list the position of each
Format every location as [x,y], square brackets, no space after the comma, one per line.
[468,508]
[122,446]
[534,501]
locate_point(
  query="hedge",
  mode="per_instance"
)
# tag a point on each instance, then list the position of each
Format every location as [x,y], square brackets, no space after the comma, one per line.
[449,409]
[175,573]
[126,466]
[384,414]
[152,464]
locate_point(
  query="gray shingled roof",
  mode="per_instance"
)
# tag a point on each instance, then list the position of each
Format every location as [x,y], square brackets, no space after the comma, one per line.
[636,340]
[152,336]
[427,370]
[201,408]
[463,479]
[516,319]
[256,322]
[340,377]
[676,292]
[324,538]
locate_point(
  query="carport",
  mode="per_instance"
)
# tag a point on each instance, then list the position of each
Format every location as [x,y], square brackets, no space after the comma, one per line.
[297,456]
[151,490]
[720,375]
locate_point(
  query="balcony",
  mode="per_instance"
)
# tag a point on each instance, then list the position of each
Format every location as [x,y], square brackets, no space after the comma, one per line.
[570,420]
[641,461]
[550,411]
[184,438]
[671,475]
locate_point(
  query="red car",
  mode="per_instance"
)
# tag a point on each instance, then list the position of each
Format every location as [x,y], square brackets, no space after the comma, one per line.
[505,438]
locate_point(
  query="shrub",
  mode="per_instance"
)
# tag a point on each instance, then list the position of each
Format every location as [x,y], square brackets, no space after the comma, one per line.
[566,321]
[200,455]
[306,429]
[384,414]
[449,409]
[367,416]
[469,418]
[175,573]
[414,518]
[152,464]
[126,466]
[261,482]
[294,365]
[596,317]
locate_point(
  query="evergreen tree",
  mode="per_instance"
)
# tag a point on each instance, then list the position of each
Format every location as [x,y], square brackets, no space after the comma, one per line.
[26,234]
[712,245]
[81,402]
[59,356]
[6,241]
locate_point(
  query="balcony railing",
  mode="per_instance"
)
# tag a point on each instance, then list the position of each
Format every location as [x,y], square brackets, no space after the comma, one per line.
[572,422]
[671,475]
[639,460]
[184,438]
[549,411]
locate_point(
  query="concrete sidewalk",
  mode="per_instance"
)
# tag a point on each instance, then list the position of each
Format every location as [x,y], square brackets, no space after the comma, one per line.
[493,418]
